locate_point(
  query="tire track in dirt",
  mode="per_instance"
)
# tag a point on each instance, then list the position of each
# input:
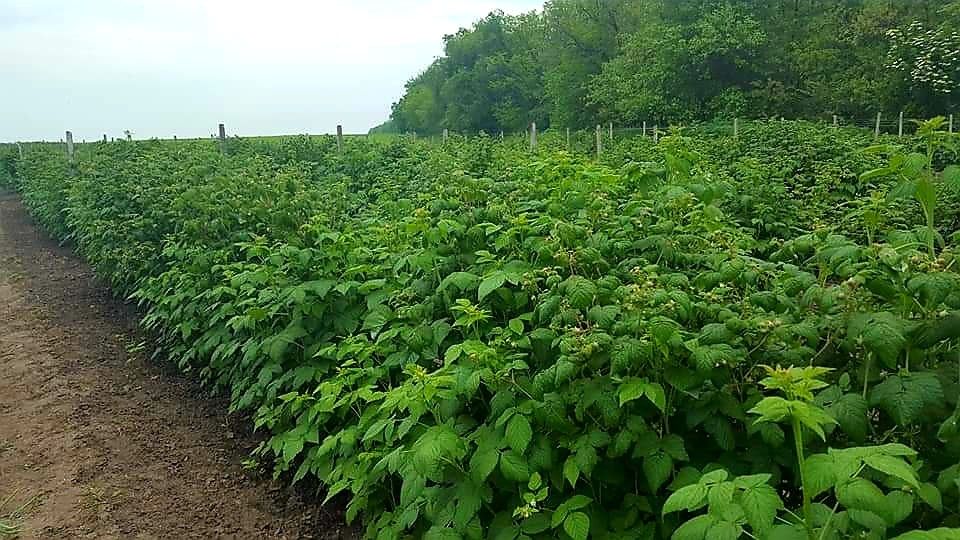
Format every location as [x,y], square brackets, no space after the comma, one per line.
[106,444]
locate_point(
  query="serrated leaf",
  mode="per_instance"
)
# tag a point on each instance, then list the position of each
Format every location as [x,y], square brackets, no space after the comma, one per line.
[862,494]
[695,529]
[951,178]
[441,533]
[724,530]
[657,467]
[903,396]
[690,498]
[519,433]
[514,467]
[821,473]
[934,534]
[656,395]
[490,284]
[931,495]
[899,507]
[482,463]
[577,525]
[850,411]
[579,291]
[760,505]
[571,471]
[631,389]
[673,445]
[895,467]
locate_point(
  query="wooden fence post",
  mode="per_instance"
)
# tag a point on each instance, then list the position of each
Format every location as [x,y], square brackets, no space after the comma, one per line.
[446,133]
[736,128]
[340,138]
[70,146]
[876,131]
[611,131]
[656,134]
[900,125]
[533,136]
[644,128]
[835,124]
[20,150]
[599,141]
[568,139]
[951,124]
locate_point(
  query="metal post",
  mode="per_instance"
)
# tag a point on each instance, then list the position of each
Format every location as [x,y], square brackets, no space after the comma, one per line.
[20,150]
[876,131]
[340,138]
[736,128]
[835,123]
[656,134]
[533,136]
[644,128]
[568,139]
[70,146]
[611,131]
[951,124]
[446,133]
[900,126]
[223,138]
[599,141]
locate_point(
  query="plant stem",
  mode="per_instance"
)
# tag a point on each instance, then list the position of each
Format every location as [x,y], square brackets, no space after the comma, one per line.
[866,375]
[798,444]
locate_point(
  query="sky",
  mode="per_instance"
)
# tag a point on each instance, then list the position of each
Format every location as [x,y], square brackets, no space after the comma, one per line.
[179,67]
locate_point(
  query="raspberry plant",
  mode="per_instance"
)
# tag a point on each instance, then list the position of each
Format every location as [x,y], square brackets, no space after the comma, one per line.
[468,342]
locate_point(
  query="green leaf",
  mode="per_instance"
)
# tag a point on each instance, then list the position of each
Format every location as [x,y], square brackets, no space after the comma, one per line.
[951,178]
[935,534]
[490,284]
[813,417]
[631,389]
[657,467]
[571,471]
[519,433]
[516,325]
[514,467]
[692,497]
[576,502]
[931,495]
[441,533]
[883,334]
[761,504]
[724,530]
[900,506]
[771,409]
[821,473]
[483,463]
[695,529]
[895,467]
[656,395]
[577,525]
[904,396]
[862,494]
[536,523]
[850,411]
[579,291]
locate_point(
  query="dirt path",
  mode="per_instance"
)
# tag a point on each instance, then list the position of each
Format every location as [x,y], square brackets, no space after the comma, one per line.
[105,444]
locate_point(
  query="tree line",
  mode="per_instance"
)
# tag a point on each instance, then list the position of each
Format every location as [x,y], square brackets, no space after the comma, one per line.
[578,62]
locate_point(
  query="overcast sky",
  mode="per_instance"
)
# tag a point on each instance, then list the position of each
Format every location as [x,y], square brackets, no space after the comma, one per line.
[179,67]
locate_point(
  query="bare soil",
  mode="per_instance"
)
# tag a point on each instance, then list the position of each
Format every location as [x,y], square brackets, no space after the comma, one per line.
[97,441]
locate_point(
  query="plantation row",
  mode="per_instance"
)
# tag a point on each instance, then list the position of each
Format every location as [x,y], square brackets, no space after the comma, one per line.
[704,338]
